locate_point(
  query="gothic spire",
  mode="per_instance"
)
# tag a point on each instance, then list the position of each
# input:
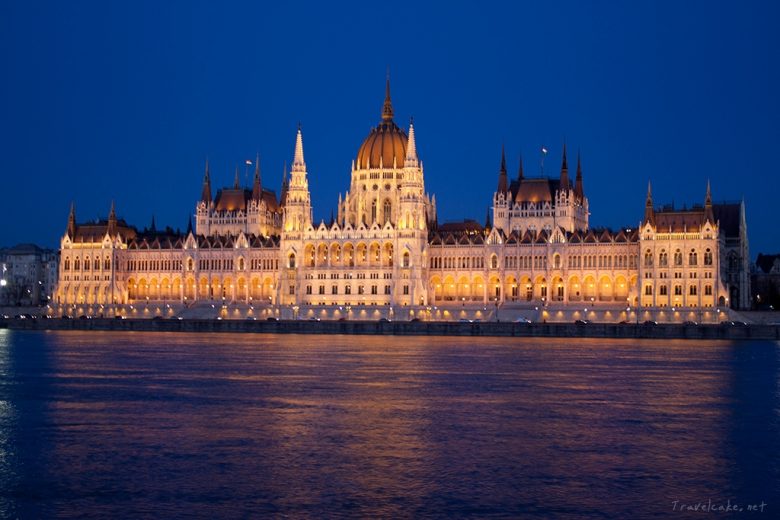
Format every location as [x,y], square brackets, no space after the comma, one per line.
[236,184]
[708,214]
[488,224]
[72,221]
[411,147]
[387,109]
[112,220]
[298,163]
[520,170]
[205,195]
[257,188]
[189,225]
[283,196]
[153,226]
[564,171]
[502,182]
[578,190]
[649,213]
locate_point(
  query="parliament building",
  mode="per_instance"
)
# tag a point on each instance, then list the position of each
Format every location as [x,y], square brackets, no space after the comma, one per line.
[253,254]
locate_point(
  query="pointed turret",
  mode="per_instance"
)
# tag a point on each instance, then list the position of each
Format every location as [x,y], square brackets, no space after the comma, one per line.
[520,175]
[488,224]
[502,181]
[299,165]
[205,195]
[649,213]
[283,196]
[387,108]
[411,148]
[112,220]
[564,171]
[236,184]
[72,221]
[579,192]
[189,225]
[257,187]
[153,226]
[708,214]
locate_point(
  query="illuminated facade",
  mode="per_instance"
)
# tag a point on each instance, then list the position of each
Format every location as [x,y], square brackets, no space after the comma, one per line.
[385,249]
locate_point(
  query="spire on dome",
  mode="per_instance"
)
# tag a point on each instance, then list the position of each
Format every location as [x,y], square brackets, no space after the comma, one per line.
[387,109]
[298,163]
[411,147]
[578,190]
[205,195]
[257,188]
[502,182]
[564,171]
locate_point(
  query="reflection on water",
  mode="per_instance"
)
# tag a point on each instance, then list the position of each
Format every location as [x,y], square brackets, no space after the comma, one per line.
[223,425]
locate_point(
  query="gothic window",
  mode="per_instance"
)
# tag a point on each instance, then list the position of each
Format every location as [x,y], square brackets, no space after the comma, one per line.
[648,258]
[86,263]
[67,264]
[678,290]
[648,290]
[494,262]
[291,263]
[692,290]
[308,289]
[678,258]
[708,290]
[708,257]
[240,264]
[373,211]
[321,289]
[662,290]
[387,211]
[360,289]
[190,264]
[556,261]
[406,262]
[663,258]
[96,264]
[347,289]
[77,264]
[692,257]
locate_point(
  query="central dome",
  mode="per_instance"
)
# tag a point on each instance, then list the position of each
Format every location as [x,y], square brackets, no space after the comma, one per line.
[385,143]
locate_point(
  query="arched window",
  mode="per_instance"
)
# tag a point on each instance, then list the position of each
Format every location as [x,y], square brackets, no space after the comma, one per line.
[648,258]
[387,210]
[708,257]
[96,264]
[693,257]
[494,262]
[87,265]
[76,264]
[190,264]
[67,263]
[291,261]
[405,261]
[678,258]
[708,290]
[663,258]
[692,290]
[240,264]
[373,211]
[556,261]
[107,263]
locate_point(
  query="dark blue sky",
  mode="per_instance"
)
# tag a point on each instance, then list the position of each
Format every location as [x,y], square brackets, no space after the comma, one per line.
[101,102]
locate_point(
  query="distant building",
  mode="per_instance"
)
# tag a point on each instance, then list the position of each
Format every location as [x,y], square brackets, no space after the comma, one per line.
[385,247]
[766,282]
[29,274]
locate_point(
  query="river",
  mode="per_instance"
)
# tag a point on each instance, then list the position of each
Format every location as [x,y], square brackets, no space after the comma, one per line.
[135,424]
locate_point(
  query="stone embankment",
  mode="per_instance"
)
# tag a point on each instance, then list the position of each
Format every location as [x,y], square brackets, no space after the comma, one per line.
[409,328]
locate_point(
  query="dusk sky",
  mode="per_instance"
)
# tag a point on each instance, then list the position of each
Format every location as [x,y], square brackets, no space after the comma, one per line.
[101,102]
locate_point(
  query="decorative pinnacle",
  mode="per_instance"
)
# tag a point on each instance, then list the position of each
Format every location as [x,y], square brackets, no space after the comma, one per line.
[387,109]
[298,163]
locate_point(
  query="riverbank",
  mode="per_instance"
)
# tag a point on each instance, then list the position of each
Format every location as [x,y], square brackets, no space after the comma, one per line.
[408,328]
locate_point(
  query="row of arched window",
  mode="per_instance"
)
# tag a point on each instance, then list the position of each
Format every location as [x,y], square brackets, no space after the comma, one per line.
[86,264]
[677,258]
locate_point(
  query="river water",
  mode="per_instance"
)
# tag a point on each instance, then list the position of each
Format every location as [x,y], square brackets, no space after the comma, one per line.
[127,425]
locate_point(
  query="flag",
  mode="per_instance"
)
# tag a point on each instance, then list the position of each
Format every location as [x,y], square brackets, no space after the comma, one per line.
[248,162]
[544,150]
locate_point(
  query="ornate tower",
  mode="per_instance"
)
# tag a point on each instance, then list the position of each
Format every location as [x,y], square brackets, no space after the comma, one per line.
[502,198]
[297,200]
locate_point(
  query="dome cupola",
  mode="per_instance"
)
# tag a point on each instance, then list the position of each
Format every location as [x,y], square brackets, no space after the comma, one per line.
[385,144]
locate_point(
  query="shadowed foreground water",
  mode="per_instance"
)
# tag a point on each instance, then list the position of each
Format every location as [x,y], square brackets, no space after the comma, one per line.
[229,425]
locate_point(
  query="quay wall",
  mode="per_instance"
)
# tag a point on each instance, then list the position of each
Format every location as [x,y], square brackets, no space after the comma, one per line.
[409,328]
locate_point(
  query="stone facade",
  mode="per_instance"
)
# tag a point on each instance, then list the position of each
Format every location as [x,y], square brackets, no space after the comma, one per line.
[385,248]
